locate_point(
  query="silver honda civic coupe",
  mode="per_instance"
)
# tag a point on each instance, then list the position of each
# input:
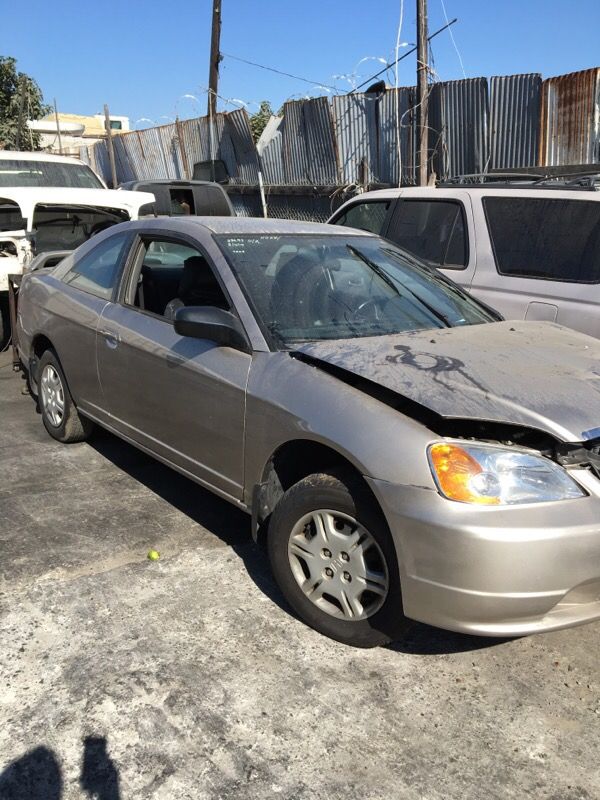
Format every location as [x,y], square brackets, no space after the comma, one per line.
[404,452]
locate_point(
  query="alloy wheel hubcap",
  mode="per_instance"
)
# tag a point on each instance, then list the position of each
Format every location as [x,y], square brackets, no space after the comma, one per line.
[53,395]
[338,565]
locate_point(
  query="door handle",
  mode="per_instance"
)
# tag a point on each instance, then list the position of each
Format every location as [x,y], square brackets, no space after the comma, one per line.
[111,338]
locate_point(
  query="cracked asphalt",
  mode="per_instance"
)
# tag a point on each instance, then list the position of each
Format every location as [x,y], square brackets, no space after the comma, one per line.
[189,678]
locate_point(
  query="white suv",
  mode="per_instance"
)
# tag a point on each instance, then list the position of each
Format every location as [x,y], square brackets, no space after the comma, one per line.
[531,253]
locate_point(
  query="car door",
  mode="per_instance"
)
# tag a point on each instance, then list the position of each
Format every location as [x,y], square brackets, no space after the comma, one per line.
[436,226]
[183,399]
[87,280]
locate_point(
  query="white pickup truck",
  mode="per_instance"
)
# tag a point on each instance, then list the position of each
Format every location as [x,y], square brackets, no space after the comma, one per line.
[52,203]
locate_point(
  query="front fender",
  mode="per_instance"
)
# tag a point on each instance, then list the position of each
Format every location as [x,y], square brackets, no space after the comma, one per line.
[290,400]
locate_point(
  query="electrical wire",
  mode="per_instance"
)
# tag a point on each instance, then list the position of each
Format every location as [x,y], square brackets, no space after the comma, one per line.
[398,143]
[453,41]
[278,71]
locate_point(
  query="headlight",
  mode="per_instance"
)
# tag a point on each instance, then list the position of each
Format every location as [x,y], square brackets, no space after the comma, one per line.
[498,476]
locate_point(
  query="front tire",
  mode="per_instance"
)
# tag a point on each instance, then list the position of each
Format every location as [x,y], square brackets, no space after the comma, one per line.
[59,414]
[334,560]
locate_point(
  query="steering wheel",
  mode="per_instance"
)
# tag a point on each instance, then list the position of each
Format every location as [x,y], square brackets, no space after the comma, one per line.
[370,309]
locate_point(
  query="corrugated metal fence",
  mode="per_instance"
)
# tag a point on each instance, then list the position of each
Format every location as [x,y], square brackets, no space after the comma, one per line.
[361,140]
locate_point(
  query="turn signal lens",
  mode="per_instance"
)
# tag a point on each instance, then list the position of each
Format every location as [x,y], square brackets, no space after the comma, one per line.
[461,477]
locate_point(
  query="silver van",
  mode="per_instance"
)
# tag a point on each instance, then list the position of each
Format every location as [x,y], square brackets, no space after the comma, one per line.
[531,253]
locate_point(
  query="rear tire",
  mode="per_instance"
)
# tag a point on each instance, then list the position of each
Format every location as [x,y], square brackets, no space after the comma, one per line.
[4,322]
[59,414]
[334,560]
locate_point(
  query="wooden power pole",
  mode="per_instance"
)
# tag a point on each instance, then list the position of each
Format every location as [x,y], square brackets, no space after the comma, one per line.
[215,57]
[422,92]
[111,147]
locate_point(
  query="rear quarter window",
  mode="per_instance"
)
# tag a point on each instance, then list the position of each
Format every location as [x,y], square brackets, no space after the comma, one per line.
[369,216]
[97,271]
[553,239]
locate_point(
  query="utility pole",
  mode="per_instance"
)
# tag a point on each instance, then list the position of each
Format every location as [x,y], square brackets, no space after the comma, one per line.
[215,58]
[60,150]
[422,92]
[111,150]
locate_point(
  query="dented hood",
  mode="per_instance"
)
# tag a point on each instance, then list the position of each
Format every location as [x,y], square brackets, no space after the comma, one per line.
[536,374]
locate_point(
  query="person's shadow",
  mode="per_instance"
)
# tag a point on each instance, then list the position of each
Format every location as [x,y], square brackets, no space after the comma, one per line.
[34,776]
[99,775]
[37,775]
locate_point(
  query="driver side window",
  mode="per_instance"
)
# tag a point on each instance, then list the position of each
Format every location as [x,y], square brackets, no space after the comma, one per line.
[171,275]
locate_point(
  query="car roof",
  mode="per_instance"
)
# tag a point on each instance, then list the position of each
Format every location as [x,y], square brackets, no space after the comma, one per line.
[487,189]
[25,155]
[250,225]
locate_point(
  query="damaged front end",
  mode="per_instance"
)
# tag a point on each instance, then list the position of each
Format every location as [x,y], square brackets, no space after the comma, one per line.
[581,455]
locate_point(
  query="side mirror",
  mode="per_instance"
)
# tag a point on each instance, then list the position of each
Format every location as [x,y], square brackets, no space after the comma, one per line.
[212,323]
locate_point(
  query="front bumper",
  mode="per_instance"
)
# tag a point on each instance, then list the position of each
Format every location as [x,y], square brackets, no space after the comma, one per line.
[491,571]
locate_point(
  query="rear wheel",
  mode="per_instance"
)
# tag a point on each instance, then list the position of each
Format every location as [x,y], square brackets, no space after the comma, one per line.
[59,414]
[334,560]
[4,321]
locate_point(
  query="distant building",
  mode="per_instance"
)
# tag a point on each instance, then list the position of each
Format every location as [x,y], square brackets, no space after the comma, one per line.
[75,130]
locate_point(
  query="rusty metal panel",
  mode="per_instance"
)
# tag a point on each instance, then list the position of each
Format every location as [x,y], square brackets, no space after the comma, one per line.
[570,119]
[100,161]
[144,150]
[396,110]
[194,140]
[295,156]
[514,120]
[237,148]
[170,151]
[355,124]
[320,143]
[169,145]
[458,122]
[125,170]
[308,147]
[270,152]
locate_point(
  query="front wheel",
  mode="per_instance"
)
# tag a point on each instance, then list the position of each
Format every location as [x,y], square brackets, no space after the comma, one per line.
[334,560]
[59,414]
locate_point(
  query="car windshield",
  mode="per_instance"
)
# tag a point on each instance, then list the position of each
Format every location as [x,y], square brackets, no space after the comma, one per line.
[307,288]
[21,172]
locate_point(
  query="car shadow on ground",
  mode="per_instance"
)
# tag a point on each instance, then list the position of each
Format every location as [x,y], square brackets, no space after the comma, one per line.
[424,640]
[232,526]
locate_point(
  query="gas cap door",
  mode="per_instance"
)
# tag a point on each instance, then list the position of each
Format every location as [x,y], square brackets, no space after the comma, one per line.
[541,312]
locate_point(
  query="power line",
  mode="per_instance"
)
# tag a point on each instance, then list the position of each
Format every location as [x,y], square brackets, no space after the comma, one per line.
[453,42]
[279,72]
[393,63]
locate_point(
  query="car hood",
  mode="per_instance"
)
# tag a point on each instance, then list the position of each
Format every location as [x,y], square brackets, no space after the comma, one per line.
[535,374]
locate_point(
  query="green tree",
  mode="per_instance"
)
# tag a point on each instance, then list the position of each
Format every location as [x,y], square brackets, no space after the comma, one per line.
[259,120]
[20,97]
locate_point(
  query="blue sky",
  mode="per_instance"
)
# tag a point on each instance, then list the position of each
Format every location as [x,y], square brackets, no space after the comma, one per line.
[143,56]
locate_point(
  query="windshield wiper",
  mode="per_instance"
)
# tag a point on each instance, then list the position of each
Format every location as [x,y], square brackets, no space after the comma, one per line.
[448,283]
[390,282]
